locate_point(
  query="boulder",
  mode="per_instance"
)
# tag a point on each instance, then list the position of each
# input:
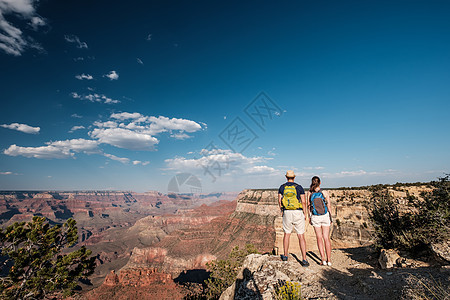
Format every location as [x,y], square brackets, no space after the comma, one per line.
[258,277]
[388,258]
[441,251]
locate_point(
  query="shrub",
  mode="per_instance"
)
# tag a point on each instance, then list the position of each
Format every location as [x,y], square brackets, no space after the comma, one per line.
[418,224]
[288,290]
[224,272]
[39,270]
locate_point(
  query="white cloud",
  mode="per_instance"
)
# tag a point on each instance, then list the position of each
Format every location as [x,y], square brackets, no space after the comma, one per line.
[149,37]
[84,76]
[260,170]
[180,136]
[137,132]
[314,168]
[22,127]
[224,160]
[71,38]
[45,152]
[36,22]
[123,160]
[124,138]
[107,124]
[12,39]
[95,98]
[163,124]
[56,149]
[113,75]
[126,115]
[139,61]
[5,173]
[76,116]
[138,162]
[74,128]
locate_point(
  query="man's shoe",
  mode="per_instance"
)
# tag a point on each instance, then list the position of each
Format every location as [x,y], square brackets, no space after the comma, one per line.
[304,263]
[284,257]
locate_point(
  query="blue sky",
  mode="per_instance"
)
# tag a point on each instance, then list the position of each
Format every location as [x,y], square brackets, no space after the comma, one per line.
[124,95]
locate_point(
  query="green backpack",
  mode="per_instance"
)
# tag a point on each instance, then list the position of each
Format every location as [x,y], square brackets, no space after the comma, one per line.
[290,200]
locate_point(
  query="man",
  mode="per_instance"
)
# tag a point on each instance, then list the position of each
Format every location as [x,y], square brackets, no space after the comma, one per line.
[292,202]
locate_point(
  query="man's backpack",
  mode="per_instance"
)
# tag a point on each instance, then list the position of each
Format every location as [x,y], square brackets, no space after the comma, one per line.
[318,204]
[290,200]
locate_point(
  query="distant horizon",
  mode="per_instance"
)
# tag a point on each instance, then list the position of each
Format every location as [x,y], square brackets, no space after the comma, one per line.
[212,192]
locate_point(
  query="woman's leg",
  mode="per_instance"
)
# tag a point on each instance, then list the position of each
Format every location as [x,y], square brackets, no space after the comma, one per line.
[319,237]
[326,239]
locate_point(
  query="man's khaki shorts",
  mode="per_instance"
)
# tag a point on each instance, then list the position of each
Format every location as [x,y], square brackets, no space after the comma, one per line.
[294,219]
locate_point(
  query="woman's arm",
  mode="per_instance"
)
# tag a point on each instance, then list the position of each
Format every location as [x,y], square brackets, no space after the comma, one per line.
[327,198]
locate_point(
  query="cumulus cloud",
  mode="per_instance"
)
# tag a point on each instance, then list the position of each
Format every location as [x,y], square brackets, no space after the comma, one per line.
[56,149]
[75,128]
[84,76]
[123,160]
[222,159]
[137,132]
[22,127]
[113,75]
[73,39]
[163,124]
[132,131]
[124,138]
[12,39]
[101,98]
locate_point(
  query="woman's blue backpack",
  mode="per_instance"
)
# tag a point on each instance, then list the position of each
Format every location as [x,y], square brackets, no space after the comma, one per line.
[318,204]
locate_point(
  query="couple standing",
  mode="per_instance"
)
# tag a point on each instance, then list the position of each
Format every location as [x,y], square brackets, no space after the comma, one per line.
[296,207]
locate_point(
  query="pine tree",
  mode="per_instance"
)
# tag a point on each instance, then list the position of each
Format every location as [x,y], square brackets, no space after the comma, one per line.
[38,266]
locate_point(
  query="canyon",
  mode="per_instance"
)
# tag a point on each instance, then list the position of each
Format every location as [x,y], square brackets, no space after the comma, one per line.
[158,240]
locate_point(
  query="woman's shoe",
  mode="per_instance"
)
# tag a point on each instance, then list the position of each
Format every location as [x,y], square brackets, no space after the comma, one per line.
[324,263]
[329,263]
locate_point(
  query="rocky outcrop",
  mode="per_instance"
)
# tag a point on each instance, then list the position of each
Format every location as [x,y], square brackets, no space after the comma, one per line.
[354,275]
[141,283]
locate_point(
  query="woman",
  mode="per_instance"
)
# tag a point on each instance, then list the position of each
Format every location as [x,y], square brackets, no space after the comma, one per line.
[320,217]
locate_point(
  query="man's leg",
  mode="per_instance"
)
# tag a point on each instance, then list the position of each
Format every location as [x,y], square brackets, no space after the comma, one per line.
[286,240]
[302,244]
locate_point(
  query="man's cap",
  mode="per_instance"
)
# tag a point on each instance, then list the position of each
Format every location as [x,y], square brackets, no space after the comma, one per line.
[290,174]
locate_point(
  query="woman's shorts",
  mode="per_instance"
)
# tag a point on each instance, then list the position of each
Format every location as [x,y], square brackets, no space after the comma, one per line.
[323,220]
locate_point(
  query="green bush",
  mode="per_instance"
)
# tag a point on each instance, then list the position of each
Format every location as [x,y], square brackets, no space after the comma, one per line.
[38,269]
[418,224]
[224,272]
[287,290]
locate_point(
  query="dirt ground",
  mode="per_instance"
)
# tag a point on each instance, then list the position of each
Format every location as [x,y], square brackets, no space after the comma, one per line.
[355,274]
